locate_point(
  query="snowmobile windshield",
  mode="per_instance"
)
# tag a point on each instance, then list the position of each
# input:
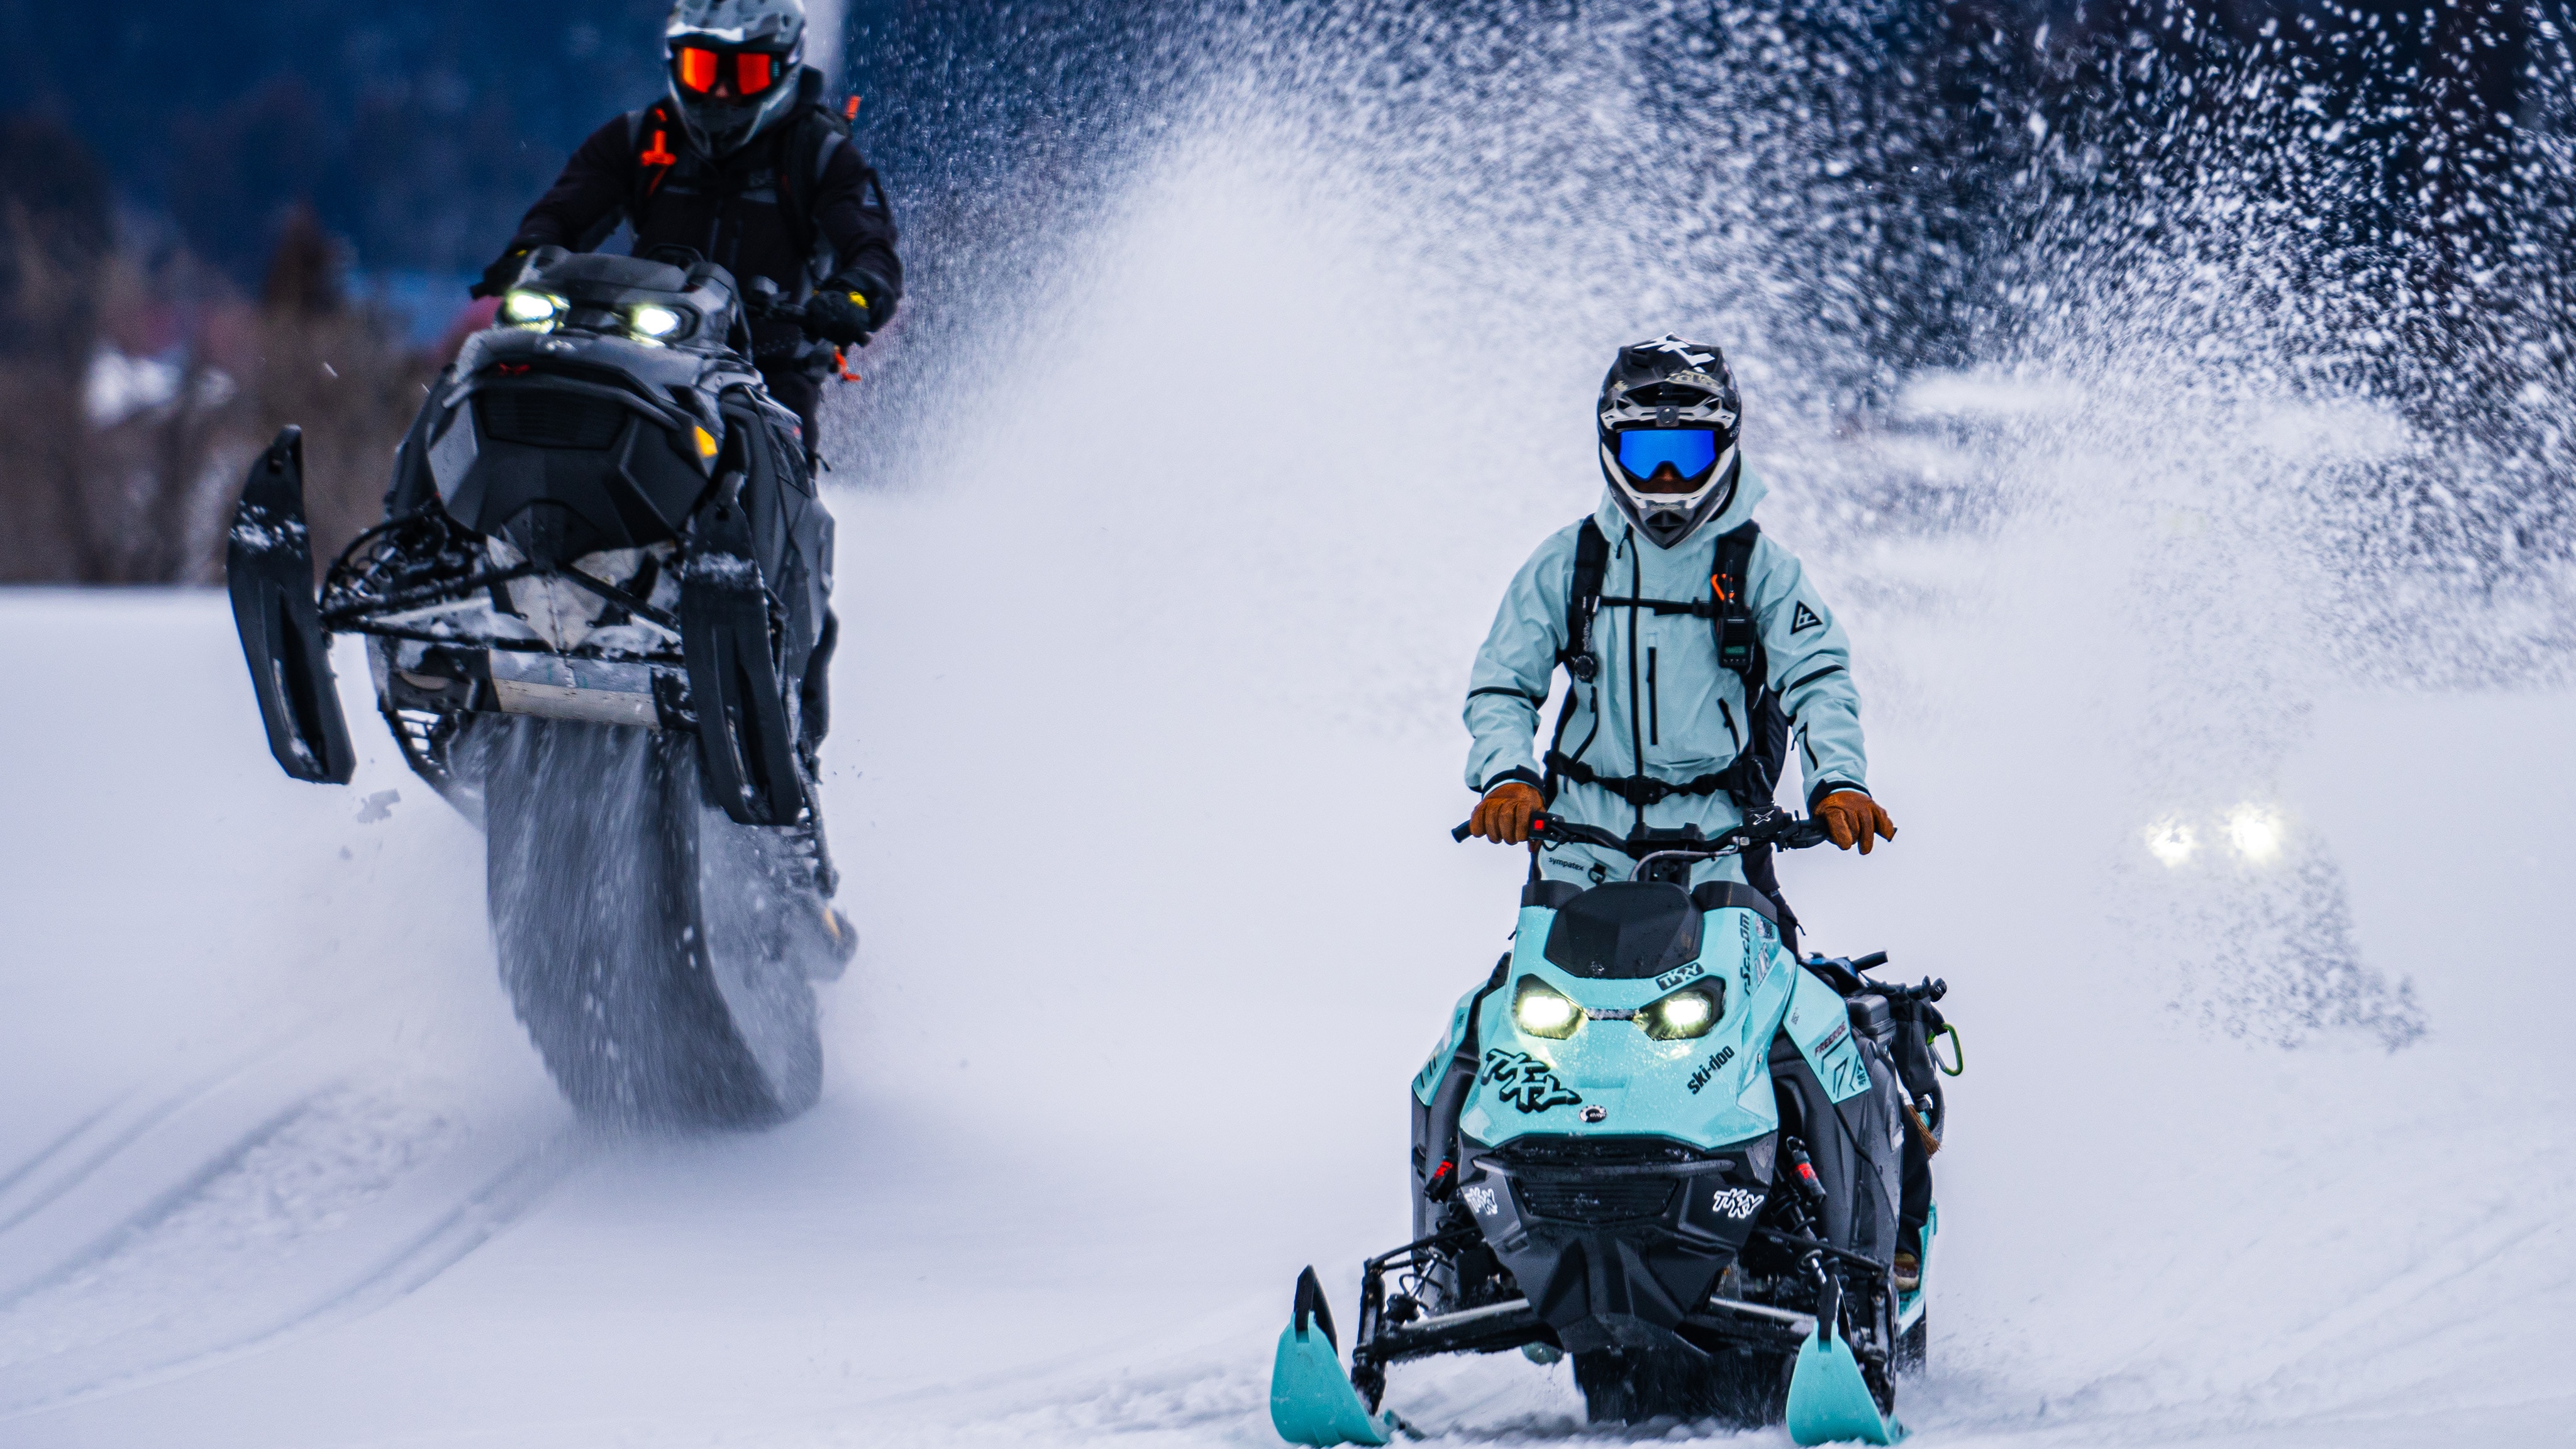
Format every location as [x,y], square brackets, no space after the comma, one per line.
[1692,452]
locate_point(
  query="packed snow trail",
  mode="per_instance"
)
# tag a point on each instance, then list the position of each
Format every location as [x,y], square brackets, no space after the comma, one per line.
[281,1171]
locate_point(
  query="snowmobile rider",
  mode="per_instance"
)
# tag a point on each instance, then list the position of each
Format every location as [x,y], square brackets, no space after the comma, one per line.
[1697,651]
[743,163]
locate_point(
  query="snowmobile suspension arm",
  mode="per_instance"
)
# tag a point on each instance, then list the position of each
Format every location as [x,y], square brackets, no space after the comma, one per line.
[343,618]
[349,617]
[668,622]
[1810,1245]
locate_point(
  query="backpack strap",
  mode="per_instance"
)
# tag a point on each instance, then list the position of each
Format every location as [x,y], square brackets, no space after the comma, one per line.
[1756,771]
[1739,636]
[1583,600]
[1750,779]
[649,133]
[1582,667]
[814,131]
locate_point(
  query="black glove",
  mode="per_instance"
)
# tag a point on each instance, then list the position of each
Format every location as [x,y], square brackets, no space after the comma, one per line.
[498,276]
[847,308]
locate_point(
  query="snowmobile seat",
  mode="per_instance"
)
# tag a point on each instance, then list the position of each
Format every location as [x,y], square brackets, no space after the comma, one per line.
[1550,894]
[1717,895]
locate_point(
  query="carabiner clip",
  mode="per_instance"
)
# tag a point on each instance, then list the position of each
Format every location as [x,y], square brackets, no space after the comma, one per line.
[1958,1051]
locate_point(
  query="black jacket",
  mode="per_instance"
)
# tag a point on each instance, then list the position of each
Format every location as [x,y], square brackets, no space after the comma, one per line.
[641,169]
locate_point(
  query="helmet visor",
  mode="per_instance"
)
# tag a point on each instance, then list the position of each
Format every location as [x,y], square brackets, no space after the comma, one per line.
[699,69]
[1692,452]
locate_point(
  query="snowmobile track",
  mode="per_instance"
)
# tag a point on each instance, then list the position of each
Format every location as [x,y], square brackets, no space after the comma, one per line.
[394,1246]
[133,1158]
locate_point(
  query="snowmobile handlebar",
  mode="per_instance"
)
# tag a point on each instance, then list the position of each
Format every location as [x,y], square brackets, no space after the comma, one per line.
[762,302]
[765,306]
[1775,828]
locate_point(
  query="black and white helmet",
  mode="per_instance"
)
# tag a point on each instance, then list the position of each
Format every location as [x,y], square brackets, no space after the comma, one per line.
[1669,412]
[733,67]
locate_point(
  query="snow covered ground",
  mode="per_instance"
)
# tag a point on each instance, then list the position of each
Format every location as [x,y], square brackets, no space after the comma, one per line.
[1145,757]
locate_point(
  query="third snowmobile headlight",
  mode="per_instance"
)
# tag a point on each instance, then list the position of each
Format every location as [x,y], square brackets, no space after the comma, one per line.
[653,322]
[1542,1010]
[1680,1016]
[531,309]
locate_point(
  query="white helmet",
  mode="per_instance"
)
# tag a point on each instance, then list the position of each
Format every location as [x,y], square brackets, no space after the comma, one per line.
[1669,410]
[733,67]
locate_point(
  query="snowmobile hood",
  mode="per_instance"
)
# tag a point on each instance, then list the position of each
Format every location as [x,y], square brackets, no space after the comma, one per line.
[1749,491]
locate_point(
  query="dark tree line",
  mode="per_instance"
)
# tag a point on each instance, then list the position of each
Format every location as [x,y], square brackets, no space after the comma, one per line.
[1923,180]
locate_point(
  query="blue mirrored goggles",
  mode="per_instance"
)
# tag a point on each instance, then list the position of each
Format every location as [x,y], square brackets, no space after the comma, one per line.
[1692,452]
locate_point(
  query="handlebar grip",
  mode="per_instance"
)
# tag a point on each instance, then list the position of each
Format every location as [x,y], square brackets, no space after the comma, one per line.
[1539,824]
[1803,833]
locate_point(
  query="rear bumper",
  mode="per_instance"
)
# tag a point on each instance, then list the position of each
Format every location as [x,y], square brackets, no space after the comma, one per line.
[550,686]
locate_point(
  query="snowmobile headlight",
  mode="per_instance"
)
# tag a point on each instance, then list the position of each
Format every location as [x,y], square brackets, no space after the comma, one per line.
[653,322]
[532,309]
[1542,1010]
[1680,1016]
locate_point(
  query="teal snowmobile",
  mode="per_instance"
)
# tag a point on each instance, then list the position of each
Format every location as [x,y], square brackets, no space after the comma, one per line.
[1656,1141]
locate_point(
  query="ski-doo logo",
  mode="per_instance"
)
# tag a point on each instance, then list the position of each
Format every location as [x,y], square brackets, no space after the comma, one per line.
[1707,1074]
[1526,1082]
[1736,1202]
[1671,979]
[1481,1199]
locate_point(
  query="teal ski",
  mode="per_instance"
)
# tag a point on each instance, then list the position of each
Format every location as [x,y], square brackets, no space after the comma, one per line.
[1311,1400]
[1829,1401]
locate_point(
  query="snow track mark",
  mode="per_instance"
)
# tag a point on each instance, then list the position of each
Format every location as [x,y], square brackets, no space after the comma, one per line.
[324,1209]
[130,1160]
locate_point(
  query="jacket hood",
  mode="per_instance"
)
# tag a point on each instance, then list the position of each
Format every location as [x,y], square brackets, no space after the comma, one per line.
[1749,492]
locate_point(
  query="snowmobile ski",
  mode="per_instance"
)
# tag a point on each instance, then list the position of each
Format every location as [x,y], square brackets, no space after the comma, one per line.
[1311,1399]
[1829,1401]
[743,733]
[268,570]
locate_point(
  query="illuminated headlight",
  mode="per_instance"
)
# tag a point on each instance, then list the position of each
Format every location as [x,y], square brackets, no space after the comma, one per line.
[2171,841]
[2255,833]
[1680,1016]
[531,309]
[652,322]
[1542,1010]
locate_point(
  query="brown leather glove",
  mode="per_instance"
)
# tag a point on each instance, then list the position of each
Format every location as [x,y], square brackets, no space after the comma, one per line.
[1503,816]
[1852,818]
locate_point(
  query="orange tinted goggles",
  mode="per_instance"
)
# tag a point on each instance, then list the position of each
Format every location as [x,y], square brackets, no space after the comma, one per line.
[748,71]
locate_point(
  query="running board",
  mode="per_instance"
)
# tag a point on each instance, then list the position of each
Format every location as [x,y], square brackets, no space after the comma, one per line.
[268,569]
[743,735]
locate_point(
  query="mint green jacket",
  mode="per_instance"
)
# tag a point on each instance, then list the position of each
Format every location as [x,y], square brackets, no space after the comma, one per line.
[1660,704]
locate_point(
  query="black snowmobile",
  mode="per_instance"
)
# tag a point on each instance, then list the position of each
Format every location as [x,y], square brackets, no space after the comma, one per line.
[596,617]
[1657,1142]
